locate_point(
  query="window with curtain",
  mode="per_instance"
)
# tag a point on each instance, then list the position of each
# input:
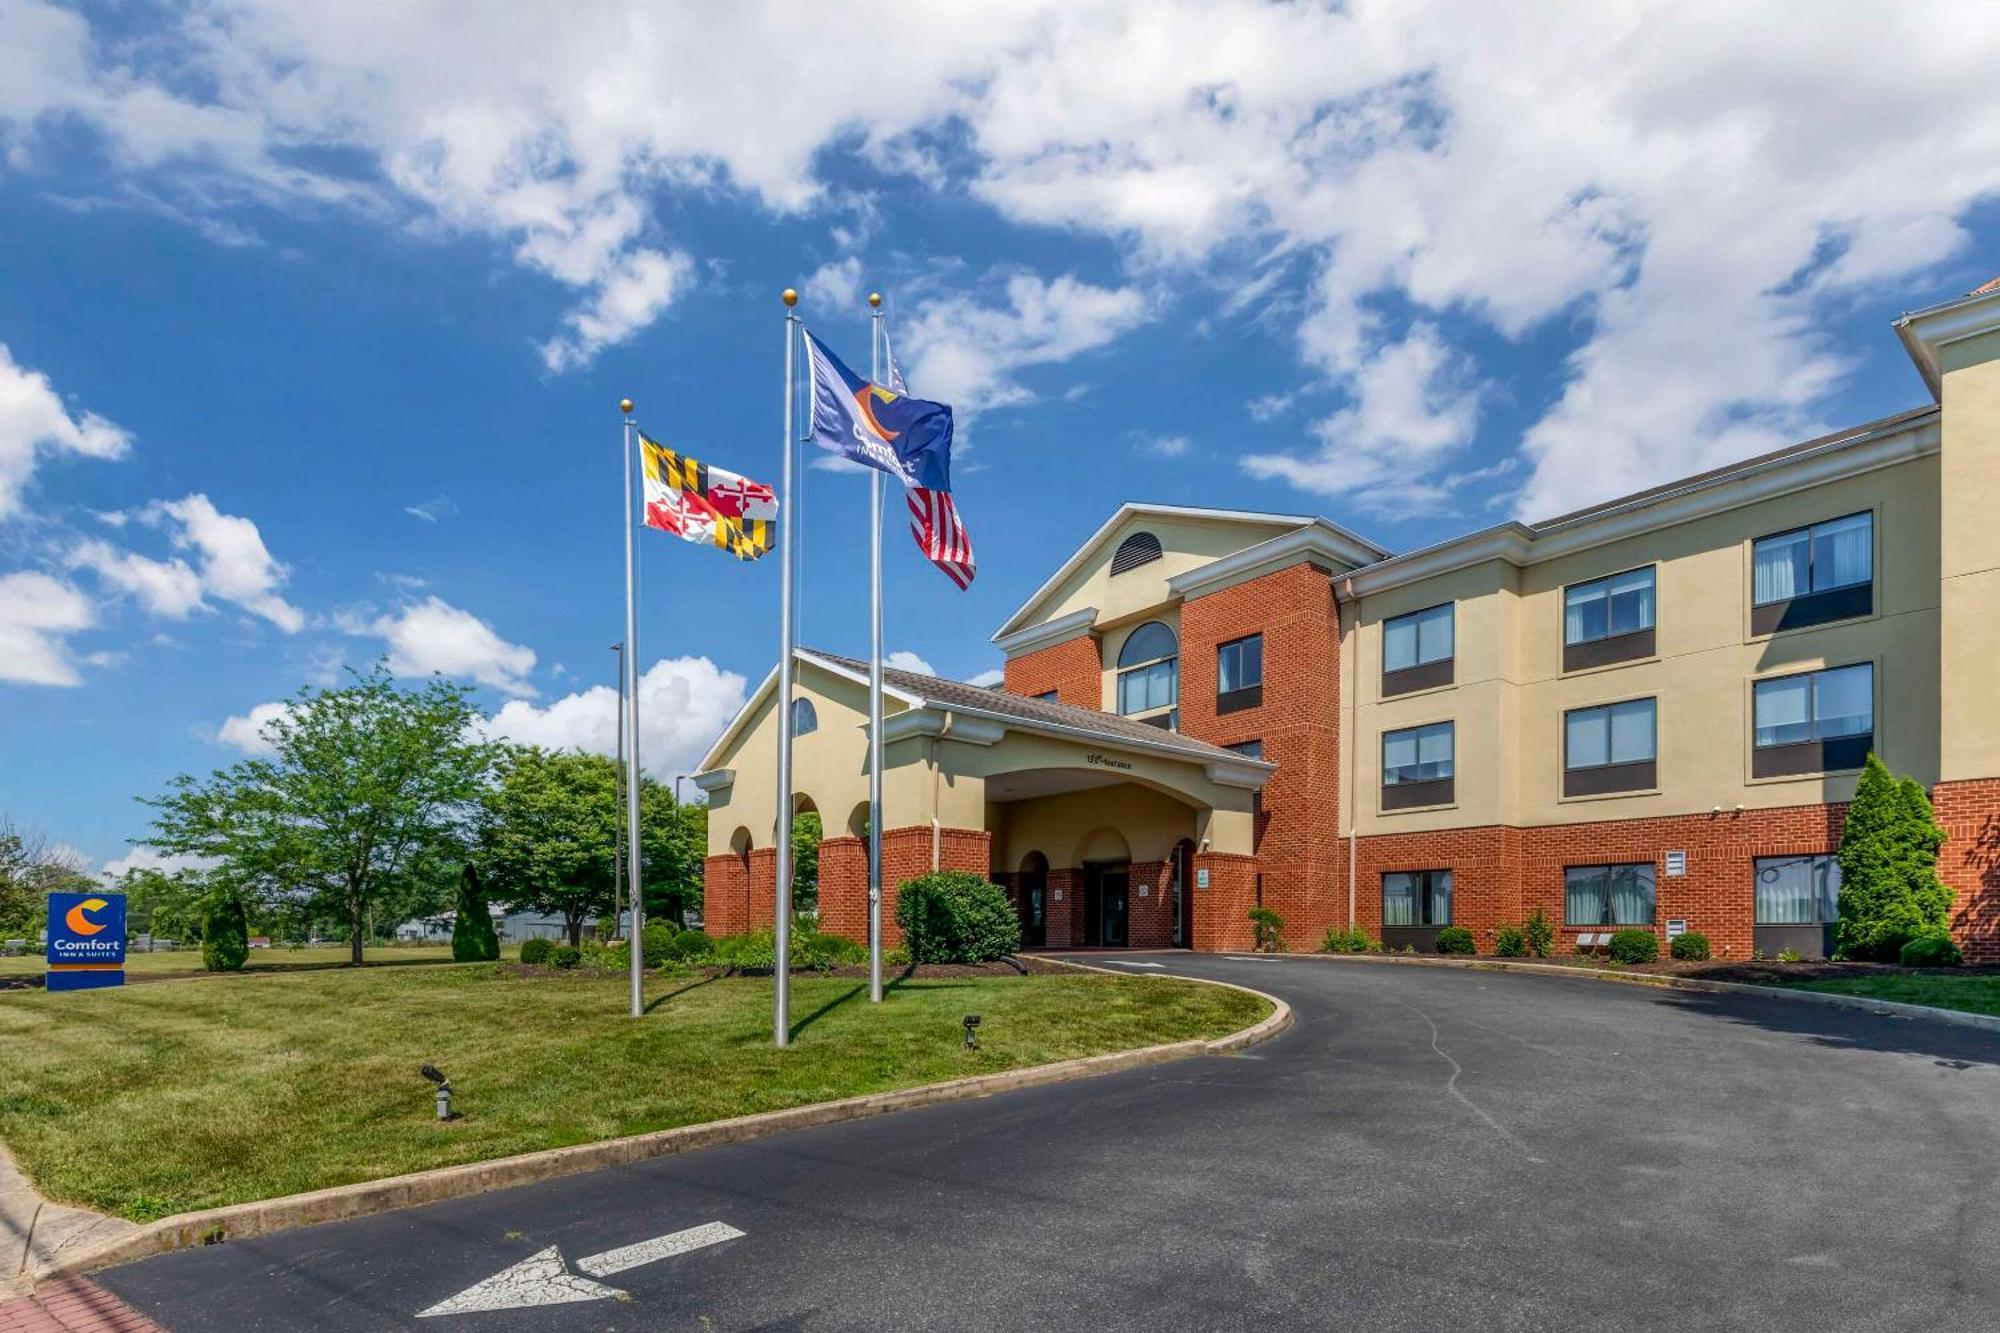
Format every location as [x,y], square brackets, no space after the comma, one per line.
[1816,706]
[1417,639]
[1416,898]
[1621,733]
[1839,553]
[1602,608]
[1613,895]
[1239,664]
[1417,754]
[1797,890]
[1148,669]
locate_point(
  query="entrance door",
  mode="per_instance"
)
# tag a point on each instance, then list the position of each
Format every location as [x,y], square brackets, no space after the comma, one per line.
[1115,884]
[1183,901]
[1034,908]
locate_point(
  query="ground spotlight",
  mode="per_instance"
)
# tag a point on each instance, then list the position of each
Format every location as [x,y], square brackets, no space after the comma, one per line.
[436,1075]
[972,1032]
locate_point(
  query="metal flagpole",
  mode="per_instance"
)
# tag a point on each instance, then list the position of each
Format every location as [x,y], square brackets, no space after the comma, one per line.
[618,855]
[629,686]
[875,678]
[781,1008]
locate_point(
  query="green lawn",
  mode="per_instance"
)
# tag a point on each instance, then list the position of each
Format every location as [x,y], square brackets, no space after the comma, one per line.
[1976,992]
[261,960]
[152,1100]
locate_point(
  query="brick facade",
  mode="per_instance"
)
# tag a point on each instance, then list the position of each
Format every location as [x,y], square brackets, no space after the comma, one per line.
[1969,813]
[1073,669]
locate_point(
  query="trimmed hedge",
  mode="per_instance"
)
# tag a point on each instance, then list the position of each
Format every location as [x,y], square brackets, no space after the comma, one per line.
[1456,939]
[566,956]
[1356,940]
[656,940]
[1931,950]
[954,916]
[1690,947]
[686,946]
[536,952]
[1633,945]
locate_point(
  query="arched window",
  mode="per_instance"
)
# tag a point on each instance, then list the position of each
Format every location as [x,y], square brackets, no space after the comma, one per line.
[1149,674]
[1141,548]
[805,717]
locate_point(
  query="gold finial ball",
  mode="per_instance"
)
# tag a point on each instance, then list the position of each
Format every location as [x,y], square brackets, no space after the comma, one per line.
[625,406]
[875,298]
[790,297]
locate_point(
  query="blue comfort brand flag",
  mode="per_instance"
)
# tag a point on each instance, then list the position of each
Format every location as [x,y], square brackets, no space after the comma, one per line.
[908,438]
[86,940]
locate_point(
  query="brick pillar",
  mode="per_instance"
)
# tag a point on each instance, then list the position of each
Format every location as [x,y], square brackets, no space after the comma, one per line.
[843,887]
[763,895]
[1969,813]
[906,854]
[1150,919]
[725,895]
[1222,910]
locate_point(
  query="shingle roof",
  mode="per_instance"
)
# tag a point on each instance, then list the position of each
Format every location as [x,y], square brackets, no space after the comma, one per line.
[958,694]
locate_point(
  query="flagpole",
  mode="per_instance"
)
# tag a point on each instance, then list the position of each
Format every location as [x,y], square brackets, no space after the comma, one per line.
[628,686]
[875,678]
[781,1007]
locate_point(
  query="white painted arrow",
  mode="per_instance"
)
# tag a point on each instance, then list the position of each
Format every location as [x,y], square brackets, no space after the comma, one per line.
[543,1279]
[1123,963]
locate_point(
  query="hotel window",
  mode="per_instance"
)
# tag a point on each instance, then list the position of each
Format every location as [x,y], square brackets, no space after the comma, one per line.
[1608,620]
[1798,904]
[1417,767]
[1149,675]
[1611,748]
[1417,651]
[1248,749]
[1045,697]
[805,718]
[1810,576]
[1814,722]
[1620,895]
[1239,674]
[1416,898]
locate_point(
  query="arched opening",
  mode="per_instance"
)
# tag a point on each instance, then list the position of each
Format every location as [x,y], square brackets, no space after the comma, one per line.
[1149,675]
[1106,860]
[1031,900]
[807,831]
[1181,881]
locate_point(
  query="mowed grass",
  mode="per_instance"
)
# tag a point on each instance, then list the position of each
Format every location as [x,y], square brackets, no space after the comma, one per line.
[154,1100]
[1975,992]
[261,960]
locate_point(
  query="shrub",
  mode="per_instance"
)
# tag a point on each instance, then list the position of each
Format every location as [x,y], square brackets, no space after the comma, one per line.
[473,939]
[826,950]
[1267,929]
[686,946]
[1540,933]
[1690,947]
[1353,940]
[225,936]
[954,916]
[1931,950]
[566,956]
[655,942]
[1889,886]
[1510,941]
[1456,939]
[536,952]
[1634,946]
[1790,956]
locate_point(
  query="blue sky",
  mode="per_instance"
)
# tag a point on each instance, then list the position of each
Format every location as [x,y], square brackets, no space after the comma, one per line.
[313,340]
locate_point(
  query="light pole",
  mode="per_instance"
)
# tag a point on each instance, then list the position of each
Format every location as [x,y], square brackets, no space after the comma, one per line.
[618,852]
[679,778]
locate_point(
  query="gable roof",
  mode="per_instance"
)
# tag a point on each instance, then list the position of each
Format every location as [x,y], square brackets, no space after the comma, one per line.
[1364,551]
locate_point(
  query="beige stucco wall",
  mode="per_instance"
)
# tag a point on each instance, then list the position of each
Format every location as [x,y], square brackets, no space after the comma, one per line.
[1970,559]
[1186,543]
[1511,693]
[1075,826]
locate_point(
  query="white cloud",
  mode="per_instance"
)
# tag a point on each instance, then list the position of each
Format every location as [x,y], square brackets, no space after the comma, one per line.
[34,422]
[626,297]
[1166,446]
[902,659]
[684,703]
[235,564]
[966,353]
[167,588]
[433,509]
[988,679]
[435,636]
[245,732]
[37,614]
[145,858]
[834,287]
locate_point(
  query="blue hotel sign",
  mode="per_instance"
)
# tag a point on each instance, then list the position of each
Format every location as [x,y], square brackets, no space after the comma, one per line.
[86,940]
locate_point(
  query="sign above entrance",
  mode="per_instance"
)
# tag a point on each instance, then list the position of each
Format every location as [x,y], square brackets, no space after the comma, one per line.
[1106,761]
[86,941]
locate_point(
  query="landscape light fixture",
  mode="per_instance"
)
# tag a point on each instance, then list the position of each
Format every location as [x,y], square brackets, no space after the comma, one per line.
[971,1032]
[436,1075]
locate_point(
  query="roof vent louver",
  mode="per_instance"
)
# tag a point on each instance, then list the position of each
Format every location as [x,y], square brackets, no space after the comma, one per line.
[1141,548]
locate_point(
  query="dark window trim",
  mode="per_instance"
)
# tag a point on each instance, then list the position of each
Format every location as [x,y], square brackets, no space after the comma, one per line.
[1815,608]
[1612,648]
[1423,676]
[1424,897]
[1250,696]
[1805,757]
[1654,566]
[1755,861]
[1410,795]
[1605,779]
[1651,922]
[1807,528]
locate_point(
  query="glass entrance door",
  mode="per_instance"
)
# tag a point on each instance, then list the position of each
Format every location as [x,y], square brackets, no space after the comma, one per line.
[1113,886]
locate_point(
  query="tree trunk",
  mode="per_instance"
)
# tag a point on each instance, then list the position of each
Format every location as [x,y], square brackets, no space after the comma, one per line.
[573,923]
[356,923]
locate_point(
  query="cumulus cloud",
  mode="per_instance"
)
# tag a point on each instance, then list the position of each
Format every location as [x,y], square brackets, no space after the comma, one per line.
[988,679]
[834,286]
[34,423]
[967,352]
[142,857]
[167,588]
[245,732]
[626,297]
[902,659]
[684,703]
[1166,446]
[235,565]
[37,615]
[435,636]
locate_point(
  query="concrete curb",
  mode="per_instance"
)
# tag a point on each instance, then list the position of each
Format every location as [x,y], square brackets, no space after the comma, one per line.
[1275,1022]
[342,1202]
[1885,1008]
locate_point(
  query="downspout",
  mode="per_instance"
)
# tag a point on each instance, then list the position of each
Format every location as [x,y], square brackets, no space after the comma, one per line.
[1350,705]
[937,778]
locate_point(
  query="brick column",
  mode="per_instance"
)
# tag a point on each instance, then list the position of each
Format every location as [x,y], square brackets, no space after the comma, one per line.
[906,854]
[1222,910]
[843,887]
[725,895]
[1150,920]
[1969,813]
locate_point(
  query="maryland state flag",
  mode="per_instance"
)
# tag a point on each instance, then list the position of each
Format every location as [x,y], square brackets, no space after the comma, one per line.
[699,503]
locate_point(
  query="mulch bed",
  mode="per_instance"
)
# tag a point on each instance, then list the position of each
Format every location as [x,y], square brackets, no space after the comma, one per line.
[922,972]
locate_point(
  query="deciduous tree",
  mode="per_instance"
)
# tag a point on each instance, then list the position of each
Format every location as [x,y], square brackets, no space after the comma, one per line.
[548,832]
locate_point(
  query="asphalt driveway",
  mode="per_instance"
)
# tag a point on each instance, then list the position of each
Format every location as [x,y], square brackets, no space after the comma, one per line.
[1426,1149]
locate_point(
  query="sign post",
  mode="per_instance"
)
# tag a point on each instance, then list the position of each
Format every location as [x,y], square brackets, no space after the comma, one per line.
[86,941]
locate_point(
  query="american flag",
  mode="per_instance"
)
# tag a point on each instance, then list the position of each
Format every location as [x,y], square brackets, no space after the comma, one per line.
[940,536]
